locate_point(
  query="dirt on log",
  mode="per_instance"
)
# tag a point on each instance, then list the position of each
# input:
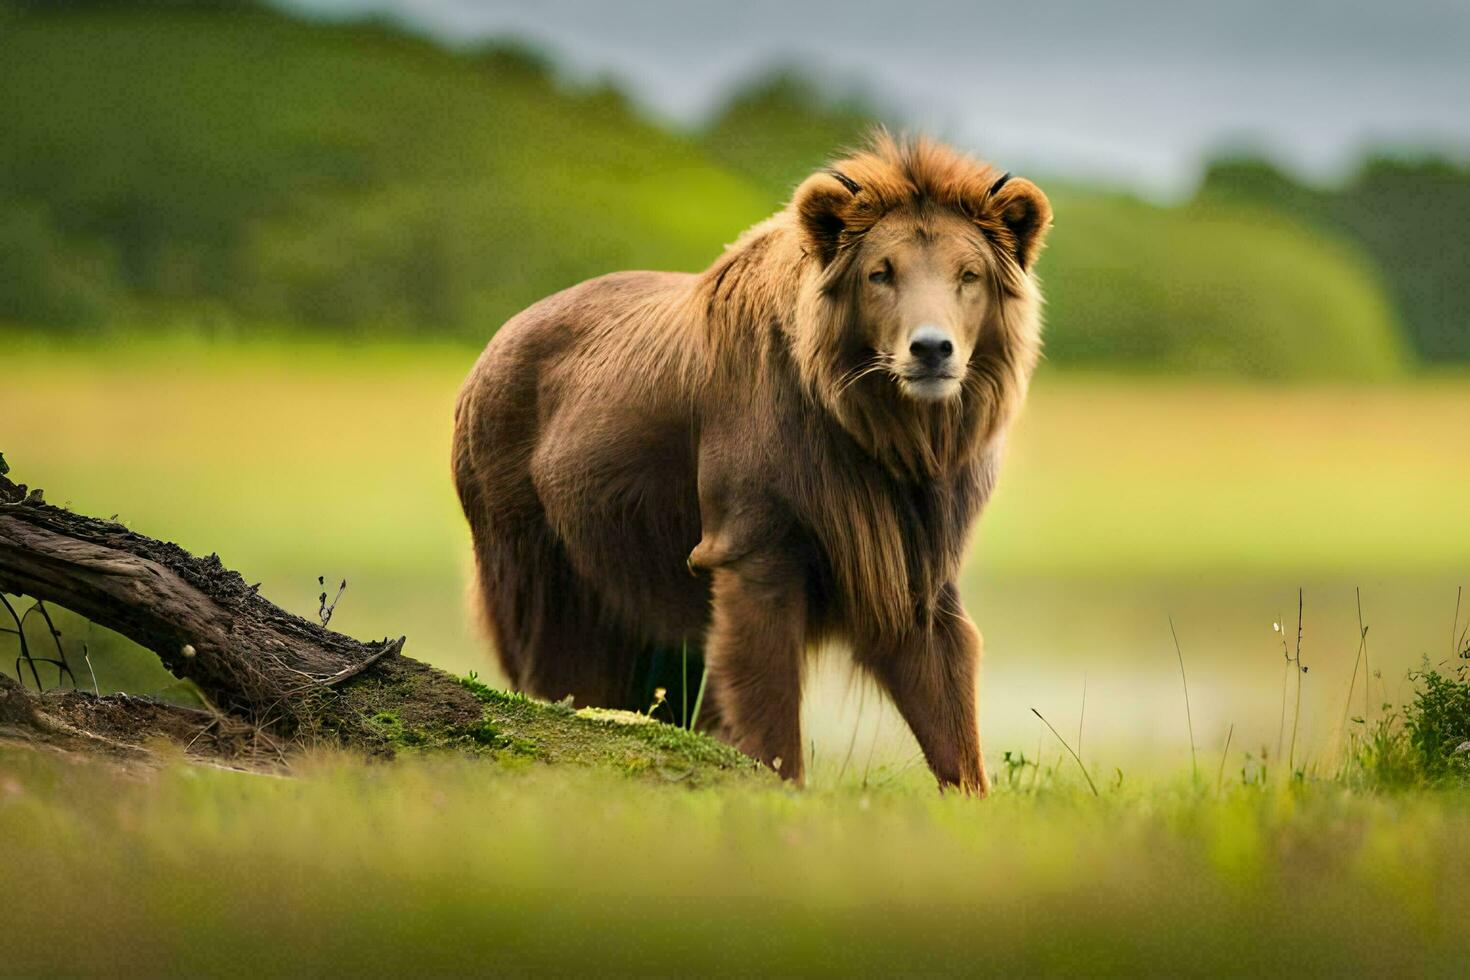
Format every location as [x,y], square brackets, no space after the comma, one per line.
[273,682]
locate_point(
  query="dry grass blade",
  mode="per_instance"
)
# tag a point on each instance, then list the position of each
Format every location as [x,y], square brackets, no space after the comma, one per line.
[852,742]
[1188,714]
[1360,659]
[1296,717]
[1085,774]
[1220,776]
[1082,715]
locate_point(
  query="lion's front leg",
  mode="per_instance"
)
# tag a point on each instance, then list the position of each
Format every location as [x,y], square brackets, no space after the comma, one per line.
[932,676]
[754,651]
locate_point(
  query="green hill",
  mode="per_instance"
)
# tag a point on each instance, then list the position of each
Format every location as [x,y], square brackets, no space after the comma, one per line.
[1409,215]
[228,167]
[238,160]
[1211,288]
[781,126]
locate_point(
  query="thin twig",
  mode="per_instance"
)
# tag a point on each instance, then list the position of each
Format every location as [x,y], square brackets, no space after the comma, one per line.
[1367,668]
[200,734]
[892,774]
[1296,717]
[857,723]
[1347,707]
[56,639]
[327,608]
[1085,774]
[1188,714]
[1455,626]
[872,747]
[1285,681]
[1220,778]
[25,650]
[1082,715]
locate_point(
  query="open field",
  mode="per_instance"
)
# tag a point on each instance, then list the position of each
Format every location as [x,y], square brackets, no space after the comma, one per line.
[1125,501]
[435,867]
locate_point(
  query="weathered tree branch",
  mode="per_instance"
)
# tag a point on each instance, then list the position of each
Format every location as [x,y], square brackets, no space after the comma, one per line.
[269,676]
[203,621]
[274,680]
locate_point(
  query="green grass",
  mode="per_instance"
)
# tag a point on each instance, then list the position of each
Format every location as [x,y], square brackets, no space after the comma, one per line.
[235,163]
[436,866]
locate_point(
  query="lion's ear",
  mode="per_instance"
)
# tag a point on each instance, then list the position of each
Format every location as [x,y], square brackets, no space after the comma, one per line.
[1025,214]
[820,202]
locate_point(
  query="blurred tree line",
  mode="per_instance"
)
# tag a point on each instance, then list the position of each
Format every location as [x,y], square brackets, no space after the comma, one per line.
[225,166]
[1410,214]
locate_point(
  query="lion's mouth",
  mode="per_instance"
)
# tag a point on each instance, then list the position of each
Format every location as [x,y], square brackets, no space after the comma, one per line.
[929,386]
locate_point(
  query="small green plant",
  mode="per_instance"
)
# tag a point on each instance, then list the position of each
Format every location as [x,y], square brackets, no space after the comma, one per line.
[1014,768]
[1427,743]
[1438,725]
[1379,754]
[388,725]
[1256,769]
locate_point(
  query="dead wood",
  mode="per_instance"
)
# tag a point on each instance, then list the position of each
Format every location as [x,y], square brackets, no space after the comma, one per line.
[273,681]
[270,676]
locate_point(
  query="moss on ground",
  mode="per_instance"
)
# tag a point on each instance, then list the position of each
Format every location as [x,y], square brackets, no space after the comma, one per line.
[408,707]
[619,740]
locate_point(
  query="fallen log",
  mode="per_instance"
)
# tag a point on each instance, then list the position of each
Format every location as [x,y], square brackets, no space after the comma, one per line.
[247,655]
[275,682]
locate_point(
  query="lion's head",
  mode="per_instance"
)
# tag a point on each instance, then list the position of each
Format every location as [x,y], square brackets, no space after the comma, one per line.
[923,308]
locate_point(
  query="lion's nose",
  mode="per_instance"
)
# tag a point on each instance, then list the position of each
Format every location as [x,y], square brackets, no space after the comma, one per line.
[930,346]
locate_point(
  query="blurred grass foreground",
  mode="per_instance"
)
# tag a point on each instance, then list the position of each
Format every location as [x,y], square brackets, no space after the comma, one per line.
[226,169]
[443,868]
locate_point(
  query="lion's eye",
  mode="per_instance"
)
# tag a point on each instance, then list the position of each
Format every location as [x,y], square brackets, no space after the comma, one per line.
[880,275]
[969,275]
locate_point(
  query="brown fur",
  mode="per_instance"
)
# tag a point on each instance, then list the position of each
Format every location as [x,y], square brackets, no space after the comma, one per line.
[750,425]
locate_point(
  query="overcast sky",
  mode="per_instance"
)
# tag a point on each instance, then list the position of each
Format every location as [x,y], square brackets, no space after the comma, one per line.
[1134,93]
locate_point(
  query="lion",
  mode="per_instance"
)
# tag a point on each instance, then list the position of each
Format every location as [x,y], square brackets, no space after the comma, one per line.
[735,466]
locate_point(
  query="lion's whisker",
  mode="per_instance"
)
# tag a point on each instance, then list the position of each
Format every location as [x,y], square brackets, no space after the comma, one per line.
[878,361]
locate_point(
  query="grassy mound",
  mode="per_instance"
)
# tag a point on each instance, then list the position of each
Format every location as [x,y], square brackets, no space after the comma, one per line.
[407,711]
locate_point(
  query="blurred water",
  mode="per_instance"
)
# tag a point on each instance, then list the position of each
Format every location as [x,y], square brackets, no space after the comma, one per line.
[1046,640]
